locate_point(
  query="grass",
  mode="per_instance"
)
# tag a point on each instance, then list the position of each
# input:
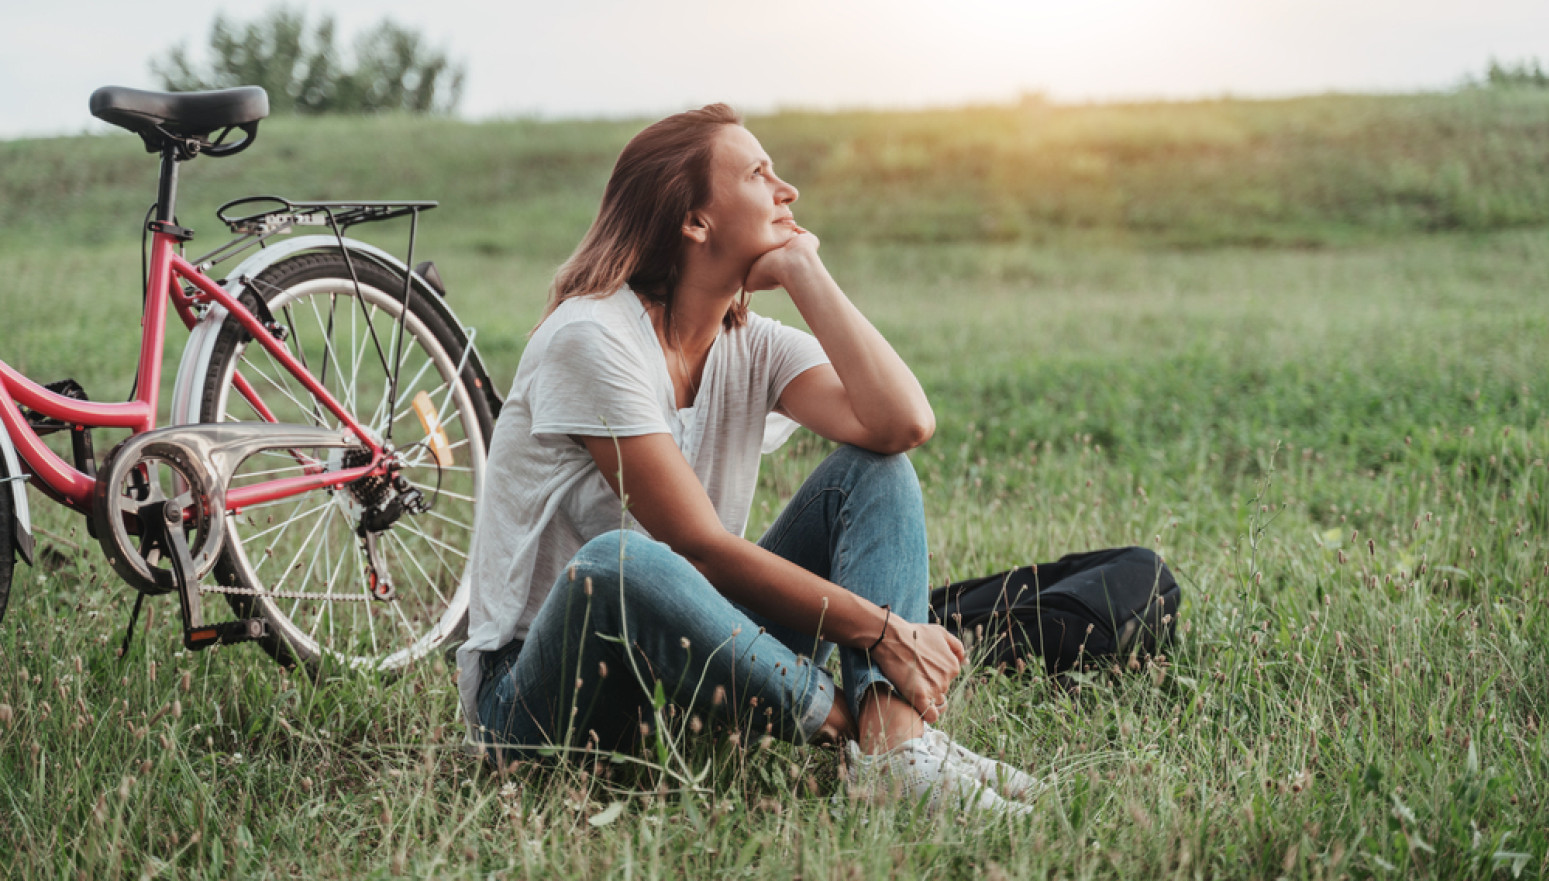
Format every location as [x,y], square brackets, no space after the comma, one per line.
[1309,373]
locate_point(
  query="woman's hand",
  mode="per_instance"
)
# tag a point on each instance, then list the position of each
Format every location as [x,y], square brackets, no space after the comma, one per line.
[920,660]
[776,268]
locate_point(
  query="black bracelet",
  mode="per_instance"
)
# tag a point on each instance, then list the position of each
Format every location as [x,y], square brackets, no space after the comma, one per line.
[889,609]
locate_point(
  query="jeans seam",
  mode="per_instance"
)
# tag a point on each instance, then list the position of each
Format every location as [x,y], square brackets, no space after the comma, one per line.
[817,496]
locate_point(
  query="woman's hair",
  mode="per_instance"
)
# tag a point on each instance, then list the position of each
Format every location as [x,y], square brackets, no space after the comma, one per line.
[662,175]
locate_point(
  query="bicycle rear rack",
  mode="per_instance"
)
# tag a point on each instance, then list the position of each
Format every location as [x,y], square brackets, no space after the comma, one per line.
[282,215]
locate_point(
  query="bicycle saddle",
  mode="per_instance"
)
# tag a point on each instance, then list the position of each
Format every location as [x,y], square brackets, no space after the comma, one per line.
[155,115]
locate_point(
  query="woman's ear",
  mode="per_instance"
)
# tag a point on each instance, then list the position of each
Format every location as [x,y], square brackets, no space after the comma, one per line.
[695,227]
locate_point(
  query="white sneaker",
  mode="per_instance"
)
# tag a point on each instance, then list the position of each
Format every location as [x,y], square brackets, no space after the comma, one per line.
[914,771]
[1006,780]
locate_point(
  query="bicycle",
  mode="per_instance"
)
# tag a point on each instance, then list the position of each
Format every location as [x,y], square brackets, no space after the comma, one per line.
[328,428]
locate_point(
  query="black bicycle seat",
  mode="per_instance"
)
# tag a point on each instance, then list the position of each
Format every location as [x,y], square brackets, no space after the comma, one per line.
[189,114]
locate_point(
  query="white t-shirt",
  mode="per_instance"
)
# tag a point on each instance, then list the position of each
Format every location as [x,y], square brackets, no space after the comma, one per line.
[595,368]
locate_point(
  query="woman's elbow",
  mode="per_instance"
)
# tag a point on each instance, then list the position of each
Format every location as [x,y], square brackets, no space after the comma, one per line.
[907,435]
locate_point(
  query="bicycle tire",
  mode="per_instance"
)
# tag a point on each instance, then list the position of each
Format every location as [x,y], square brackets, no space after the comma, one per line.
[7,538]
[314,297]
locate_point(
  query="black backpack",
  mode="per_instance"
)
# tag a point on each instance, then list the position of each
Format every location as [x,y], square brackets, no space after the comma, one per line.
[1083,611]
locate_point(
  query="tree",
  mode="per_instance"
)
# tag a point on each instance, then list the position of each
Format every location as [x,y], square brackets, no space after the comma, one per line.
[1522,74]
[394,69]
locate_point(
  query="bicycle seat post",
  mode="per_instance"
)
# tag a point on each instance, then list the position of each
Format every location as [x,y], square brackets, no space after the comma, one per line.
[166,189]
[166,193]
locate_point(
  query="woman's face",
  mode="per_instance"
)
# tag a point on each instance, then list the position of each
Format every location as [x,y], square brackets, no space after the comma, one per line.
[749,212]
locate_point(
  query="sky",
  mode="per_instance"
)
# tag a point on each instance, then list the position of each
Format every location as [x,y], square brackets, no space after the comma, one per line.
[583,58]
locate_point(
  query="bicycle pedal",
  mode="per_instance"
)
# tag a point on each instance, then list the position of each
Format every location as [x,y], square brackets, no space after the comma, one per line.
[226,633]
[44,425]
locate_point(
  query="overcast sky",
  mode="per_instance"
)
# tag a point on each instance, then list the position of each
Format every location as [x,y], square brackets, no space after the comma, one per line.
[566,58]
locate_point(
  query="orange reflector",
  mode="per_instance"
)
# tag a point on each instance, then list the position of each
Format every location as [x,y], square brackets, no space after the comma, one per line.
[434,433]
[202,635]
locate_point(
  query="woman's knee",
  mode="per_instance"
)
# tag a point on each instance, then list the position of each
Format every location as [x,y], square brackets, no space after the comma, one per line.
[620,554]
[654,573]
[887,474]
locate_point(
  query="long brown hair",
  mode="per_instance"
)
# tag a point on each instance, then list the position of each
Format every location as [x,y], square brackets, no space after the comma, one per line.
[662,175]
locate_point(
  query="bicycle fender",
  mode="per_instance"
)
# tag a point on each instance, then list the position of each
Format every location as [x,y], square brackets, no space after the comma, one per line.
[11,470]
[201,340]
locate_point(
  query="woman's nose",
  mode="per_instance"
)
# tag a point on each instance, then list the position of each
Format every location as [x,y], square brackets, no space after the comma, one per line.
[787,193]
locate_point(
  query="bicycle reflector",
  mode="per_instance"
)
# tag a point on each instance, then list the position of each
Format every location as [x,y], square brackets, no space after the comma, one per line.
[434,433]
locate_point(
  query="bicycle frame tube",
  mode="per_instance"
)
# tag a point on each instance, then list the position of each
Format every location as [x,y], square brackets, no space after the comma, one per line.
[73,488]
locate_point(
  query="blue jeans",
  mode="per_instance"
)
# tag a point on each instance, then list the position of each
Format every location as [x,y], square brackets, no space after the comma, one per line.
[629,616]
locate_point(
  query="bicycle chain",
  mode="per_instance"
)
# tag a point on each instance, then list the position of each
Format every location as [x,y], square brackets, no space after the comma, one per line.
[285,594]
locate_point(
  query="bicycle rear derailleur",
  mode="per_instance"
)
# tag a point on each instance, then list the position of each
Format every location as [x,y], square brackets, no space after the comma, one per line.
[375,502]
[160,512]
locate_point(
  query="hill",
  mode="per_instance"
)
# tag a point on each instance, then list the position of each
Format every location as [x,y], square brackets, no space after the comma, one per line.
[1308,172]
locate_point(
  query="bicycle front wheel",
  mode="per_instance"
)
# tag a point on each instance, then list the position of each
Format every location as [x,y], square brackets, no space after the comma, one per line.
[304,562]
[7,536]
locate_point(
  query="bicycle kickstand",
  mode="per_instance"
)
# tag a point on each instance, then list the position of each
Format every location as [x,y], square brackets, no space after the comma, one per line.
[166,518]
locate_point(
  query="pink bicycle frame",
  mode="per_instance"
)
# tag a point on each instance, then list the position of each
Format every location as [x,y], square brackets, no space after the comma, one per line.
[68,485]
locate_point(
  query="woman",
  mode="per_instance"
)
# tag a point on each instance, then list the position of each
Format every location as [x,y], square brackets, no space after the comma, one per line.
[649,381]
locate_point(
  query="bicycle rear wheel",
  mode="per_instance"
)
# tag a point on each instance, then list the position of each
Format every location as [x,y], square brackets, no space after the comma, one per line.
[302,561]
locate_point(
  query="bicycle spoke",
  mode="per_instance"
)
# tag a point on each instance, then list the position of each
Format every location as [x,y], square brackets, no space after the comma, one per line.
[332,580]
[412,383]
[319,547]
[330,352]
[398,608]
[431,540]
[446,493]
[360,354]
[283,390]
[283,524]
[386,400]
[430,581]
[404,551]
[466,525]
[289,390]
[298,347]
[295,561]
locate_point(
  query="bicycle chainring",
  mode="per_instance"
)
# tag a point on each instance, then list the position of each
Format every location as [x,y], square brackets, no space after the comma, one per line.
[142,482]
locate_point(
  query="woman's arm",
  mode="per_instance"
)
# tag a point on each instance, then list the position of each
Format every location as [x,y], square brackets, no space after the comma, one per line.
[866,396]
[665,496]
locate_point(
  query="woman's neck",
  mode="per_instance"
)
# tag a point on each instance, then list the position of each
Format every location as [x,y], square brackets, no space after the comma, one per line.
[697,313]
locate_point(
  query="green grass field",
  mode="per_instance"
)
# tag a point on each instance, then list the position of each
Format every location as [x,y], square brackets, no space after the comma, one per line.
[1296,346]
